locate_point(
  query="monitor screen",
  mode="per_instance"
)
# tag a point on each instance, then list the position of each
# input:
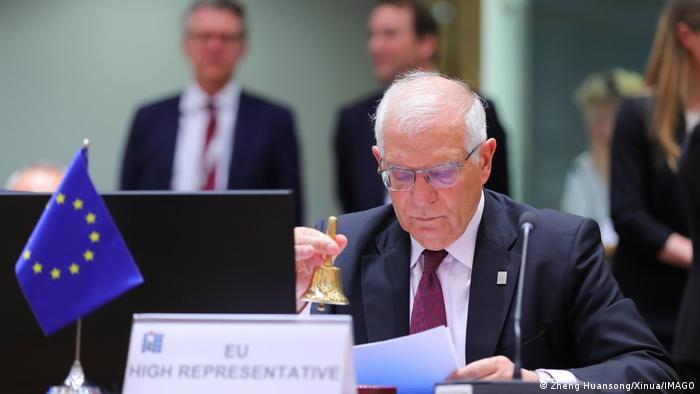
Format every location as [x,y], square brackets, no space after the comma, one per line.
[220,252]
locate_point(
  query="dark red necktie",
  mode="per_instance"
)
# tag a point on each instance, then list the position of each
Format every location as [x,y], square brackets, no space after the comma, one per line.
[209,167]
[429,304]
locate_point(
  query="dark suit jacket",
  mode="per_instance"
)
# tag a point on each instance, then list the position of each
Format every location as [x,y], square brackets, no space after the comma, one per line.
[687,343]
[359,187]
[646,207]
[265,153]
[574,316]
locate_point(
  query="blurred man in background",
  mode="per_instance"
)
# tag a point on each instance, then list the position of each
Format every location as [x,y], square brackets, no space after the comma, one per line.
[214,135]
[38,177]
[403,37]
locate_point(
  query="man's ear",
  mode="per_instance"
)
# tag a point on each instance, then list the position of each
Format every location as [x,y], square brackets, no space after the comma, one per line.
[185,47]
[377,155]
[244,50]
[486,151]
[427,48]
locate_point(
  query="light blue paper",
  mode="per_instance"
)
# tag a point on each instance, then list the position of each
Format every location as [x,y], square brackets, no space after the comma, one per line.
[412,364]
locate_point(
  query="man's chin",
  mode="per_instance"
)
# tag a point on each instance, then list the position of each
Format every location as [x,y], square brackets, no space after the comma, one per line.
[217,76]
[214,79]
[429,236]
[432,243]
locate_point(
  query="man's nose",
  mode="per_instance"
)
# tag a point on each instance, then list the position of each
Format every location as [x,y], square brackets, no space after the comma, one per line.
[374,44]
[423,192]
[215,42]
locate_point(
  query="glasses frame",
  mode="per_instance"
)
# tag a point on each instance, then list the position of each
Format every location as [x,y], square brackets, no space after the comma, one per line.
[384,173]
[202,38]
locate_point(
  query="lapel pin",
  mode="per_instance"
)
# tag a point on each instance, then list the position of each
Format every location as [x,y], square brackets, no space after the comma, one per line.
[502,278]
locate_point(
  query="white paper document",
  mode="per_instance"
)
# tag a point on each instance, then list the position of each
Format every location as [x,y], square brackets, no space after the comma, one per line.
[412,364]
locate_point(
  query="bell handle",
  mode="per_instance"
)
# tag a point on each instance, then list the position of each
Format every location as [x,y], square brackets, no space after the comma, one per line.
[331,232]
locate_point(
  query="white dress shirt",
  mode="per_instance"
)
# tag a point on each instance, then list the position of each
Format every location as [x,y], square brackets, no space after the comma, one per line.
[455,275]
[188,167]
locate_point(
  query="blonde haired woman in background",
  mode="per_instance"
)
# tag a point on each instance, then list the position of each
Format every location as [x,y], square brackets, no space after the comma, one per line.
[586,189]
[654,252]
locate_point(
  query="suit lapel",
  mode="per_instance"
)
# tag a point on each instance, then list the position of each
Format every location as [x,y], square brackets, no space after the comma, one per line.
[164,149]
[385,285]
[489,302]
[239,162]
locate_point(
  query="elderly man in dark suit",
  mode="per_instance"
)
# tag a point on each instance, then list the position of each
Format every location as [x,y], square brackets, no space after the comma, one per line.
[447,252]
[214,135]
[403,37]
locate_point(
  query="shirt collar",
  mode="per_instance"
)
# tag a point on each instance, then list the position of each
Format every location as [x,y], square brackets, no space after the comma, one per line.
[462,249]
[195,99]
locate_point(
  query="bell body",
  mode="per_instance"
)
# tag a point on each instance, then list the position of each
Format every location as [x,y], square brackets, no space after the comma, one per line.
[326,287]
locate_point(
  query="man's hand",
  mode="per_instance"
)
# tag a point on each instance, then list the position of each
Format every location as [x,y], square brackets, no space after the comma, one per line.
[492,368]
[310,248]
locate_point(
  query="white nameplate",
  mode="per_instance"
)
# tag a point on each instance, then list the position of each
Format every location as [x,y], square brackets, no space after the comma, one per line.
[193,353]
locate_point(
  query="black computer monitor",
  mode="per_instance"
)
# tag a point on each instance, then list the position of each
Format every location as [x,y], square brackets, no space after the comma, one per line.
[227,252]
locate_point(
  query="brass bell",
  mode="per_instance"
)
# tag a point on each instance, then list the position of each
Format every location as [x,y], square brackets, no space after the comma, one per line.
[326,283]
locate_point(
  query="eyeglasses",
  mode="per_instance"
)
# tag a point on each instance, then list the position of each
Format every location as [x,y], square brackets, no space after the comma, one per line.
[203,38]
[400,179]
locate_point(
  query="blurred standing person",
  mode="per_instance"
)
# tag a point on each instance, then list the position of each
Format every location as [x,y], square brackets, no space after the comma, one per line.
[686,349]
[403,36]
[214,135]
[655,253]
[41,177]
[587,185]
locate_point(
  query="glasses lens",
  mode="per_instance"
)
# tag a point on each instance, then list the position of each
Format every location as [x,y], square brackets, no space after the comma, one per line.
[443,176]
[400,179]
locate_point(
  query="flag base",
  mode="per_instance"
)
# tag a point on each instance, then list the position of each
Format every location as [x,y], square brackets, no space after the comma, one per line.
[75,383]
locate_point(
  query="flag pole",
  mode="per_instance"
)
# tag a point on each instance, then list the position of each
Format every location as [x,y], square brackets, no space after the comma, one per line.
[78,331]
[79,325]
[75,382]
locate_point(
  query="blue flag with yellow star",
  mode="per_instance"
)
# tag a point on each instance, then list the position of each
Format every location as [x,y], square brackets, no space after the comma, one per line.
[75,260]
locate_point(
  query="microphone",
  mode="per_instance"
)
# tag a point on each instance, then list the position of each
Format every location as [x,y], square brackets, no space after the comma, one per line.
[527,224]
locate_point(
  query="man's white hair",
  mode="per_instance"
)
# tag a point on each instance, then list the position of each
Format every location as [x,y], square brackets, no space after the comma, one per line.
[414,101]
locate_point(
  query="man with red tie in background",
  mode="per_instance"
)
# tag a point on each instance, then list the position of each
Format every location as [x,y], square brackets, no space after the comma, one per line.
[214,135]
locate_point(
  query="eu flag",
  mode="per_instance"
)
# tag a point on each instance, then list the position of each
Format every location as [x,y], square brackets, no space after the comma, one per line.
[75,259]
